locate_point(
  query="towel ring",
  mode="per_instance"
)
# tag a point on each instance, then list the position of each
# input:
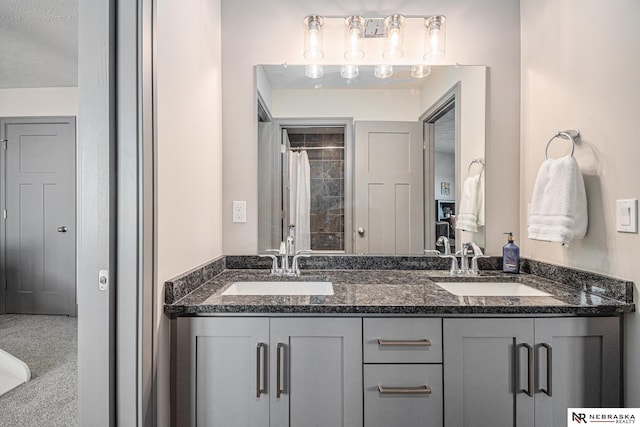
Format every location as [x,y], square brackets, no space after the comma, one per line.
[478,161]
[572,135]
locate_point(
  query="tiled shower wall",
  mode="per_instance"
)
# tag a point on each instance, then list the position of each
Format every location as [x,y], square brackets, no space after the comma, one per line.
[327,188]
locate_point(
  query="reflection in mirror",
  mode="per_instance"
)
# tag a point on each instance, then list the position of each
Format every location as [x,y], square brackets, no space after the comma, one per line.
[369,165]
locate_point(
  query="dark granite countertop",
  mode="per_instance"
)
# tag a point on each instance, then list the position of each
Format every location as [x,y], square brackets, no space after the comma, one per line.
[397,292]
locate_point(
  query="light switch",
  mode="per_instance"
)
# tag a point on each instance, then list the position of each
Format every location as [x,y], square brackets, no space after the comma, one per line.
[627,215]
[239,211]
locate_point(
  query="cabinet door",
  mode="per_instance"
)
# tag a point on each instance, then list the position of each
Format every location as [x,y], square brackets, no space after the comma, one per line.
[221,365]
[487,373]
[319,374]
[585,366]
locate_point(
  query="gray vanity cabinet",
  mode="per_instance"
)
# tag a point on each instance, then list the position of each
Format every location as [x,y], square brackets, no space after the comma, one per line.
[527,372]
[220,372]
[319,373]
[259,372]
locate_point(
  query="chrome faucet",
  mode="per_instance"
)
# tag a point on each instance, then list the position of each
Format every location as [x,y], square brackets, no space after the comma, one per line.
[477,254]
[443,240]
[286,250]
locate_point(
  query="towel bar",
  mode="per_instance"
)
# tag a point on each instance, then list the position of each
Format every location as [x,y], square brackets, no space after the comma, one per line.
[572,135]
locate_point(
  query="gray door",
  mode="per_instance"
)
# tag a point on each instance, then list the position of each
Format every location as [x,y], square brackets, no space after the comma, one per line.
[40,232]
[320,372]
[389,195]
[486,372]
[585,367]
[222,377]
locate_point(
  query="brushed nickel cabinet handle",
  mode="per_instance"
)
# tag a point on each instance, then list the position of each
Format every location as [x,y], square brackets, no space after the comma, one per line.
[423,389]
[404,343]
[279,370]
[260,388]
[530,369]
[549,390]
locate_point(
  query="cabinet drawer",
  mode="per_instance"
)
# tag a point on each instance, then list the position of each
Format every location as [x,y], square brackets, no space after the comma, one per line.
[406,395]
[402,340]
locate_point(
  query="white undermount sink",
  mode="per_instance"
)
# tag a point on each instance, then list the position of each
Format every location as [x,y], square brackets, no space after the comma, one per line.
[491,289]
[279,288]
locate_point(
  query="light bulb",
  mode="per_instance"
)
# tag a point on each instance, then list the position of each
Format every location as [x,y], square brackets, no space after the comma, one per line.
[313,51]
[392,48]
[435,43]
[420,71]
[354,26]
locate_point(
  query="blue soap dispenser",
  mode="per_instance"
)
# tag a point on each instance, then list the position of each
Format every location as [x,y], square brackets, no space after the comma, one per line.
[510,256]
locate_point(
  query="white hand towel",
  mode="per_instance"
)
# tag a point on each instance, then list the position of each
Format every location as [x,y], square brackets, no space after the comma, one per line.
[559,204]
[470,205]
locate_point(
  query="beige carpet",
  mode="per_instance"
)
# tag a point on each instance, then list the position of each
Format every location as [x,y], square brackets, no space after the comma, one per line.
[48,345]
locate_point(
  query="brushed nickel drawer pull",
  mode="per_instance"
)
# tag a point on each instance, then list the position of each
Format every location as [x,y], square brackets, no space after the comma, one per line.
[404,343]
[549,389]
[279,369]
[259,388]
[530,369]
[423,389]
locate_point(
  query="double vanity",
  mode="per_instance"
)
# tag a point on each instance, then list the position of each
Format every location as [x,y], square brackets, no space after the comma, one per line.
[379,341]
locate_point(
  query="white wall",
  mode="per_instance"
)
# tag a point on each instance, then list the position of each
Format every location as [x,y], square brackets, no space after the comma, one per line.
[470,40]
[50,101]
[579,70]
[189,144]
[444,171]
[360,104]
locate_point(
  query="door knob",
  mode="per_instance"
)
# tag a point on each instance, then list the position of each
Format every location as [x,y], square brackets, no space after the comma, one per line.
[62,229]
[361,231]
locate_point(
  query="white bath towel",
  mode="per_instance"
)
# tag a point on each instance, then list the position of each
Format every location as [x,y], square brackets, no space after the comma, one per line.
[471,209]
[559,204]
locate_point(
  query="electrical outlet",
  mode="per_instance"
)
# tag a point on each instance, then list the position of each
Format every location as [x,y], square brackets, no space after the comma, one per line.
[239,211]
[627,215]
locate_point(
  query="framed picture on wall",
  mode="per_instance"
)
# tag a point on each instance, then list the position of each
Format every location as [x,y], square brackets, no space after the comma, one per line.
[445,188]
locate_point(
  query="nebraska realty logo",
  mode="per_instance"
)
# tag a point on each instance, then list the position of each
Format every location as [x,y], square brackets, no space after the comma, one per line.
[580,416]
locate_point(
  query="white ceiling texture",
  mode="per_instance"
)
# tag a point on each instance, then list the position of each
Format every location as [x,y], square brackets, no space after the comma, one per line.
[38,43]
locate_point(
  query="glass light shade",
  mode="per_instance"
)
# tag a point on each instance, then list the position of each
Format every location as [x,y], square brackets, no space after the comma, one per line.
[420,71]
[435,39]
[314,71]
[392,46]
[353,32]
[349,71]
[383,71]
[313,40]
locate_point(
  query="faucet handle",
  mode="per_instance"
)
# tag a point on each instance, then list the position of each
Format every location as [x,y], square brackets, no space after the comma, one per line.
[454,263]
[274,264]
[303,251]
[432,252]
[474,262]
[300,254]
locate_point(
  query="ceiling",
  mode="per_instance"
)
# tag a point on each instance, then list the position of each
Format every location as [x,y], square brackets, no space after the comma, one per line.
[38,43]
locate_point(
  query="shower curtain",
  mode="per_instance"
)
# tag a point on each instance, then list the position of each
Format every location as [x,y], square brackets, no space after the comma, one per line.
[300,199]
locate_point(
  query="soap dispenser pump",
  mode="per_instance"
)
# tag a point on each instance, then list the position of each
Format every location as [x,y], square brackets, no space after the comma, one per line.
[510,256]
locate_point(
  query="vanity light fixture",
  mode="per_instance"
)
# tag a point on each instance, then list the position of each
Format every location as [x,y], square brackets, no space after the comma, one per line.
[434,45]
[394,27]
[358,30]
[313,41]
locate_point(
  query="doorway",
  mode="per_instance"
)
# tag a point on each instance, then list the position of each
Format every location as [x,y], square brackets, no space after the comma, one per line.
[38,239]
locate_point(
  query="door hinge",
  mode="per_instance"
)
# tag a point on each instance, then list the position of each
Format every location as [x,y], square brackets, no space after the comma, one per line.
[4,143]
[283,214]
[4,214]
[5,283]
